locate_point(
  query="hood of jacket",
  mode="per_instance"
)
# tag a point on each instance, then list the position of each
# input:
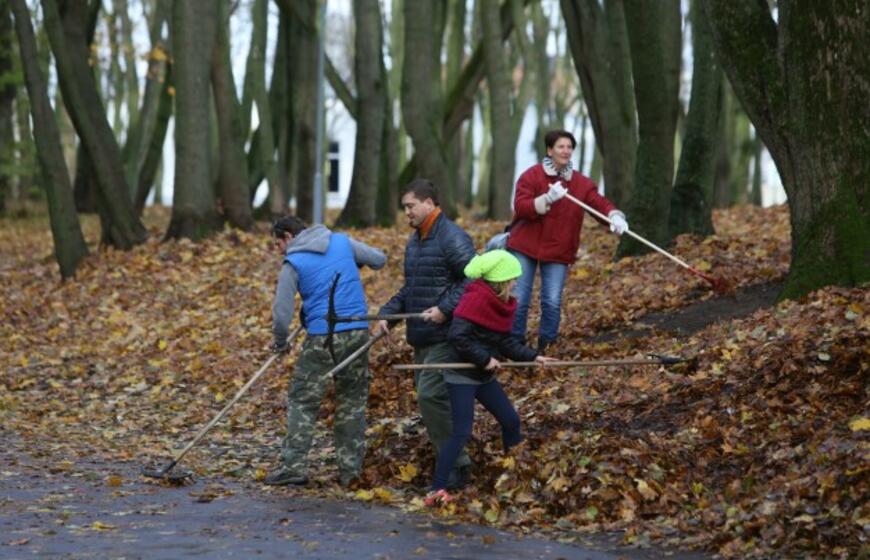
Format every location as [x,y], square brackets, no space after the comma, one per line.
[314,239]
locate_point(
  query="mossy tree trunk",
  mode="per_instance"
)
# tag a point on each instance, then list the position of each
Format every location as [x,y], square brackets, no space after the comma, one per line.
[69,243]
[691,209]
[371,86]
[67,32]
[654,33]
[7,107]
[194,211]
[598,39]
[499,88]
[801,79]
[232,179]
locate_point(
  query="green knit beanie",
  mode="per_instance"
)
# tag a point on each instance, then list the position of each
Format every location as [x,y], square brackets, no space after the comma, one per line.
[494,266]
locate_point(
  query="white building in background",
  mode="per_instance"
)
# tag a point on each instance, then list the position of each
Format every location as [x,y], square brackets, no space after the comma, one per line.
[341,131]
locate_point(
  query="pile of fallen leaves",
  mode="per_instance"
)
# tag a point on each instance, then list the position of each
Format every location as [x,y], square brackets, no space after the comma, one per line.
[759,444]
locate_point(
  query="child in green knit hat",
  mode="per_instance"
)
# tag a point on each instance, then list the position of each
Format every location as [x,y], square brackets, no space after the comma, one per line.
[480,334]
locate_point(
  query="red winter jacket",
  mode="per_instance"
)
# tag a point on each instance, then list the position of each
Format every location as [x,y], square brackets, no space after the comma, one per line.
[555,236]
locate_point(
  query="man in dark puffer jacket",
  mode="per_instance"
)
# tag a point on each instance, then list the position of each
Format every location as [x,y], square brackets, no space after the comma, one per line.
[435,257]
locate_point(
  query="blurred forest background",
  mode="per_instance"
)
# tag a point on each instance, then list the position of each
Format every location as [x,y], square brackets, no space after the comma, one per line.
[680,107]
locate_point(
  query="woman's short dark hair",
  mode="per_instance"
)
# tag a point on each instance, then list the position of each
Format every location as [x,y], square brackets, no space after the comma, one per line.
[287,224]
[552,136]
[422,189]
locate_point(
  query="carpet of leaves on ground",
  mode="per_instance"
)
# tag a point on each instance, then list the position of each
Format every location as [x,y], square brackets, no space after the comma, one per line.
[758,445]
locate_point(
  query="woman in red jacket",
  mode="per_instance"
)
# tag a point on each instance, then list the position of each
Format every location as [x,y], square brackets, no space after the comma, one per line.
[545,231]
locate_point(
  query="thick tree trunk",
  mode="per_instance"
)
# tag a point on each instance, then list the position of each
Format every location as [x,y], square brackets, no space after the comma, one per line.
[499,87]
[691,200]
[121,225]
[69,243]
[599,45]
[422,97]
[371,87]
[654,33]
[232,168]
[7,108]
[194,27]
[799,80]
[303,48]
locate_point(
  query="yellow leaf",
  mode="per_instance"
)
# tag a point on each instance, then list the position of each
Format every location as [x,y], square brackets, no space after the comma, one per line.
[703,266]
[581,273]
[24,361]
[365,495]
[509,463]
[218,397]
[100,526]
[259,475]
[491,515]
[161,344]
[860,424]
[407,472]
[383,494]
[559,483]
[114,481]
[645,490]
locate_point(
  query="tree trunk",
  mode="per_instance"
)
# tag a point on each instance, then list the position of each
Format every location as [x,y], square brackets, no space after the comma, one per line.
[654,33]
[691,200]
[194,28]
[148,174]
[361,206]
[599,45]
[145,125]
[7,108]
[422,97]
[499,87]
[799,80]
[121,226]
[757,149]
[303,38]
[69,243]
[232,168]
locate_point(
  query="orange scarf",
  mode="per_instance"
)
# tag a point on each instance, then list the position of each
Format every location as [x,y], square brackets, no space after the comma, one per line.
[426,226]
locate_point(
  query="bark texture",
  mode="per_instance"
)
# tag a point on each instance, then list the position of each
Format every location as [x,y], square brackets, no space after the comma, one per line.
[194,28]
[69,243]
[803,82]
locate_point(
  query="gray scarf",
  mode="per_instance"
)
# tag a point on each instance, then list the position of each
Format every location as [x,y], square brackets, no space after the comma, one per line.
[550,169]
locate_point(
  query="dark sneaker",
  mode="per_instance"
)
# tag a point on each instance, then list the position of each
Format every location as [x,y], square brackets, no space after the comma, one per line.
[283,477]
[459,478]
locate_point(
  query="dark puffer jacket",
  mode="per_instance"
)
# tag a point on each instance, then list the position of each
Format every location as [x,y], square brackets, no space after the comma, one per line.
[476,344]
[433,276]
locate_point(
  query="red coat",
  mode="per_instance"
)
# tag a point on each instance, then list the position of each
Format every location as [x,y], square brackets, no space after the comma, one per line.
[555,236]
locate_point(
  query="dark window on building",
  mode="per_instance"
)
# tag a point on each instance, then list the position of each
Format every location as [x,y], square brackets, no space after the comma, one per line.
[333,167]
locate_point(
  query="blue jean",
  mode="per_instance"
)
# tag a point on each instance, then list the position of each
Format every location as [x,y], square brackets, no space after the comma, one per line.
[552,281]
[462,397]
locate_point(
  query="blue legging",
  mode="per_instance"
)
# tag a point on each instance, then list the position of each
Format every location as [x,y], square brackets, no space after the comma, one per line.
[493,398]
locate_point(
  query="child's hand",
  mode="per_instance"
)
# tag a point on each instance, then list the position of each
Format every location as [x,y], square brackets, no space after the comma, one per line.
[542,360]
[492,365]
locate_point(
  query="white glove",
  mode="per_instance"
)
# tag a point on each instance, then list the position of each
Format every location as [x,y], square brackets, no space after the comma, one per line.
[618,225]
[556,192]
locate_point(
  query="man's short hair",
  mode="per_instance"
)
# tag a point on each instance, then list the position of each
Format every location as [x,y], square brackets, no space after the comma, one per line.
[552,136]
[422,189]
[287,224]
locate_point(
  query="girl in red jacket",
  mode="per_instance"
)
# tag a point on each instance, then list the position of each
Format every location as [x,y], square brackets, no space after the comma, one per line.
[545,231]
[480,334]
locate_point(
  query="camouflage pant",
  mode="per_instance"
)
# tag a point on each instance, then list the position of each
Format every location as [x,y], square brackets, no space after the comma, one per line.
[306,392]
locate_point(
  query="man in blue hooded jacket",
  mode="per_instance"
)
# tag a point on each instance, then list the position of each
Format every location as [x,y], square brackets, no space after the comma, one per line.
[312,259]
